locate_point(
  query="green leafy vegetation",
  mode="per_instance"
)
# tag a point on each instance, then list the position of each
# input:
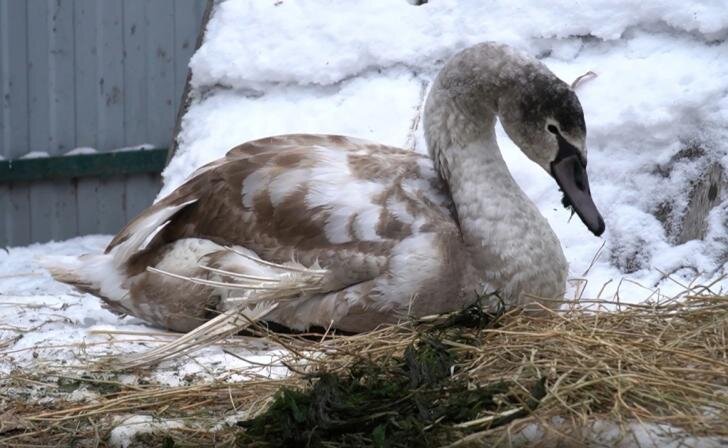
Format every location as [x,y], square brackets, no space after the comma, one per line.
[415,399]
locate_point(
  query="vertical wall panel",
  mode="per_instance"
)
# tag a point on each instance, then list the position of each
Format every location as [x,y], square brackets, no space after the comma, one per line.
[110,40]
[40,97]
[51,110]
[4,214]
[89,87]
[61,63]
[41,211]
[18,223]
[111,205]
[4,90]
[38,71]
[15,54]
[87,191]
[135,69]
[65,222]
[160,71]
[102,74]
[85,72]
[17,143]
[138,193]
[4,94]
[185,19]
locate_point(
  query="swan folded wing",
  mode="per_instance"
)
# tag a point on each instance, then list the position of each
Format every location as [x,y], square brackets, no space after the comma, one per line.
[342,203]
[333,206]
[250,289]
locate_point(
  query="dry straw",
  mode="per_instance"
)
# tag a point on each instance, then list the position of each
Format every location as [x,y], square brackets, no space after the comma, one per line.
[660,364]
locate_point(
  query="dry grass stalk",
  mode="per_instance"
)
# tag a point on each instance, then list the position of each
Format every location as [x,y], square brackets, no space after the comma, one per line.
[665,364]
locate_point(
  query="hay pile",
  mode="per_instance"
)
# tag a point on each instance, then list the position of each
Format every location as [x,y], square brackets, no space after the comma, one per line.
[582,374]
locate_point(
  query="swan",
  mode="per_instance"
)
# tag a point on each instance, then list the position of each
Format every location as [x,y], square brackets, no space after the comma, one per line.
[334,231]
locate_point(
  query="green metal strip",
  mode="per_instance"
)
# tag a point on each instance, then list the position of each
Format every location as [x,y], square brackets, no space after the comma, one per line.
[84,165]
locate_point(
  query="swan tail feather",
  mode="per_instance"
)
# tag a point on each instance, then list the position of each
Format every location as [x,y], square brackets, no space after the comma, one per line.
[214,330]
[253,288]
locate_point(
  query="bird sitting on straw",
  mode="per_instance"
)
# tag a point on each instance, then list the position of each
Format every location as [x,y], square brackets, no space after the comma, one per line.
[327,230]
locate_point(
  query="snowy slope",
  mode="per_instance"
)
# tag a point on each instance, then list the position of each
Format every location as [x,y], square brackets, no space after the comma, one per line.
[271,66]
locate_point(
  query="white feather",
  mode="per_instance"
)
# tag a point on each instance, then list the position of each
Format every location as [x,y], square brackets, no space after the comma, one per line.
[285,184]
[141,230]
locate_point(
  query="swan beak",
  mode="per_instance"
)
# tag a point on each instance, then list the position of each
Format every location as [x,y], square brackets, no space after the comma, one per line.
[570,174]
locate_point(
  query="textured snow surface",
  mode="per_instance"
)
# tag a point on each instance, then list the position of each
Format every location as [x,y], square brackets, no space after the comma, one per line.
[272,67]
[49,325]
[253,43]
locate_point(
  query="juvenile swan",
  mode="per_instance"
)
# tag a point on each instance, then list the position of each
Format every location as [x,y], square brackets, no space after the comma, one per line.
[319,230]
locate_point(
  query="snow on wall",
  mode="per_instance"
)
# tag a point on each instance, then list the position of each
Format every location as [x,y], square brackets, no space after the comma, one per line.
[279,66]
[255,43]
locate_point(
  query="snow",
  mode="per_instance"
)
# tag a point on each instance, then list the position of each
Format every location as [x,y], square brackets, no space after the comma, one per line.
[35,155]
[81,150]
[208,130]
[362,69]
[141,147]
[86,150]
[252,44]
[50,326]
[127,429]
[609,434]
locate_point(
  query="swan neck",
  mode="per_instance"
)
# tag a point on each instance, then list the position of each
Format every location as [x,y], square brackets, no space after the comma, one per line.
[462,143]
[509,243]
[504,233]
[486,197]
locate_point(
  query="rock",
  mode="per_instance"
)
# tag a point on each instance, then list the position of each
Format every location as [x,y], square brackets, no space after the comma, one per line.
[704,195]
[685,223]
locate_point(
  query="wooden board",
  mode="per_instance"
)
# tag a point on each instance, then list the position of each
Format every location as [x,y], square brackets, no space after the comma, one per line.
[100,74]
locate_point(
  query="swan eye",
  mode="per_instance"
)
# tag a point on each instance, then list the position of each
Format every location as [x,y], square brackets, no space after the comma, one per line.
[552,129]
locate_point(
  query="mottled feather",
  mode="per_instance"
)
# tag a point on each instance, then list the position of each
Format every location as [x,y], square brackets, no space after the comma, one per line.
[347,204]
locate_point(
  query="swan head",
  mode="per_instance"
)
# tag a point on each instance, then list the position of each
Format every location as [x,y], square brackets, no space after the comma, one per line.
[543,116]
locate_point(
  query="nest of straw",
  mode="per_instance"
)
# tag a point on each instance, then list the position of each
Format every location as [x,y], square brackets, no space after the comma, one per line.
[467,379]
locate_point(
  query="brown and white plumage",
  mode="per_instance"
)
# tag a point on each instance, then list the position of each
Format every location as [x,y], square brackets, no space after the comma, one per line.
[353,207]
[326,229]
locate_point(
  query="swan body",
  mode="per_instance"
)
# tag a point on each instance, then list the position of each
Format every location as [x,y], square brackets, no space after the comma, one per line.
[327,230]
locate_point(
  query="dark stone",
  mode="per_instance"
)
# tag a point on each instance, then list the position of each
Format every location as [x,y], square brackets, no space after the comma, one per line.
[704,193]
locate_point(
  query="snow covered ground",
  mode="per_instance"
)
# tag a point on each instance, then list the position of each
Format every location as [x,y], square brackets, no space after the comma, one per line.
[362,69]
[48,325]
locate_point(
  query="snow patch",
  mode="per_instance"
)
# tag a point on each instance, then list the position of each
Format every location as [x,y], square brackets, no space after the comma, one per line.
[124,435]
[142,147]
[81,150]
[49,326]
[35,155]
